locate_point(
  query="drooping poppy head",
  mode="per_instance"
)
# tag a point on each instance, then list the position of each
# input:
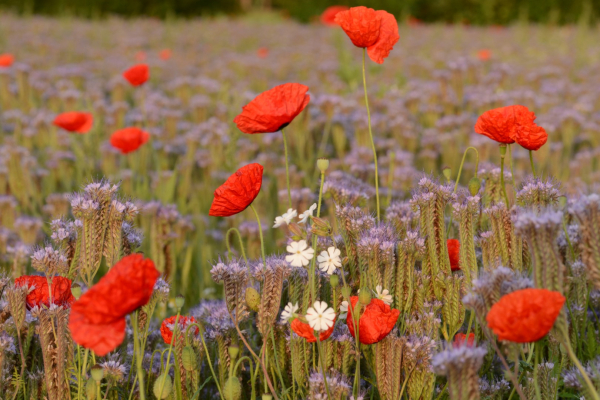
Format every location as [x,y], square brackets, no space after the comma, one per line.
[137,75]
[460,338]
[376,321]
[388,37]
[238,191]
[484,54]
[304,330]
[512,124]
[6,60]
[262,52]
[165,54]
[39,294]
[526,315]
[73,121]
[453,253]
[361,24]
[274,109]
[97,319]
[328,16]
[128,139]
[168,325]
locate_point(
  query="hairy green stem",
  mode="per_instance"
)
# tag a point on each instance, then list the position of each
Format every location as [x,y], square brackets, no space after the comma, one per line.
[262,241]
[287,170]
[371,134]
[241,244]
[532,165]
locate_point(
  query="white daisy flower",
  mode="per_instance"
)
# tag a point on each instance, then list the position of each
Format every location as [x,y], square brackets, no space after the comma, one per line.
[329,260]
[384,295]
[344,310]
[320,316]
[286,218]
[307,214]
[289,312]
[300,254]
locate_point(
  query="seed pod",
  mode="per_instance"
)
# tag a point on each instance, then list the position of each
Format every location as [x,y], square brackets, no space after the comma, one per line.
[232,390]
[97,373]
[447,172]
[163,381]
[334,281]
[233,352]
[364,296]
[252,298]
[323,164]
[90,389]
[474,186]
[188,357]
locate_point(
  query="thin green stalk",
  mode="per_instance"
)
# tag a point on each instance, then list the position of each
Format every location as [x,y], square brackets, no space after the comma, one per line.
[462,163]
[212,371]
[168,354]
[262,241]
[313,291]
[532,165]
[390,178]
[287,170]
[538,393]
[512,172]
[320,349]
[139,356]
[371,134]
[502,155]
[573,356]
[241,243]
[277,362]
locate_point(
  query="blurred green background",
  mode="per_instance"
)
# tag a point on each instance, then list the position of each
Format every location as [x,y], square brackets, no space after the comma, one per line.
[479,12]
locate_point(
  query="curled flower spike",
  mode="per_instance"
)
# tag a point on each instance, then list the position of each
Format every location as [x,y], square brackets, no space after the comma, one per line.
[168,326]
[6,60]
[73,121]
[286,218]
[329,260]
[328,16]
[375,30]
[526,315]
[273,110]
[304,330]
[238,191]
[97,319]
[376,321]
[300,255]
[512,124]
[39,292]
[289,312]
[137,75]
[453,253]
[320,316]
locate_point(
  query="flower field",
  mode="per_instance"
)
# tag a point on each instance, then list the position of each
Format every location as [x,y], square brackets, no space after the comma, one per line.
[254,208]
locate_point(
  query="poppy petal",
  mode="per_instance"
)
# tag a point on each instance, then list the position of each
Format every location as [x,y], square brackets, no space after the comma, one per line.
[238,191]
[388,37]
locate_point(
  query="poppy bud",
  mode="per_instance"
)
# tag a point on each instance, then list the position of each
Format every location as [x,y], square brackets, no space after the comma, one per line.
[232,390]
[334,281]
[233,351]
[90,389]
[346,292]
[323,164]
[76,291]
[179,301]
[163,386]
[502,150]
[474,186]
[267,397]
[297,231]
[364,297]
[97,373]
[252,298]
[188,358]
[321,227]
[447,172]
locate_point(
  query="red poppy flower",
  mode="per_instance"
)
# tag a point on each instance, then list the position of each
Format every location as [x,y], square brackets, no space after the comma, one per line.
[74,121]
[304,330]
[526,315]
[238,191]
[6,60]
[459,339]
[262,52]
[166,330]
[97,319]
[165,54]
[453,253]
[512,124]
[484,54]
[375,30]
[137,75]
[129,139]
[328,16]
[375,323]
[274,109]
[40,295]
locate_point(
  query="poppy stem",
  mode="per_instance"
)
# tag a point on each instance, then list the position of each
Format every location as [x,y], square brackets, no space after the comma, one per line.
[532,165]
[287,170]
[173,338]
[371,134]
[502,155]
[262,241]
[139,355]
[320,349]
[241,244]
[462,163]
[573,357]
